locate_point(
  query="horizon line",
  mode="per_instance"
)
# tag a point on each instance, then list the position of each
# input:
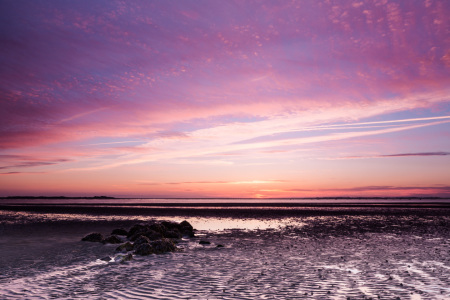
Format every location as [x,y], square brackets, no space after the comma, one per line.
[210,198]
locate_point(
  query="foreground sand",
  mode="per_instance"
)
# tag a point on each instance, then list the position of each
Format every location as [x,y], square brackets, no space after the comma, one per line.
[331,254]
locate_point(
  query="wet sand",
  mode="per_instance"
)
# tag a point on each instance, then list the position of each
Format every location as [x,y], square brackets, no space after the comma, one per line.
[307,253]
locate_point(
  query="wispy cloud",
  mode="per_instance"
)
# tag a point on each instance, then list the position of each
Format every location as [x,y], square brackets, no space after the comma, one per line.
[28,162]
[399,155]
[215,182]
[112,143]
[417,154]
[386,188]
[21,173]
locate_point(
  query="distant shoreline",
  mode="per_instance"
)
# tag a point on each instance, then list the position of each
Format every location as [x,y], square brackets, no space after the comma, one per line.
[230,198]
[239,204]
[232,210]
[57,197]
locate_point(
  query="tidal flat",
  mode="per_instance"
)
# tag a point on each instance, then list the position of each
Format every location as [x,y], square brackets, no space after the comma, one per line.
[327,253]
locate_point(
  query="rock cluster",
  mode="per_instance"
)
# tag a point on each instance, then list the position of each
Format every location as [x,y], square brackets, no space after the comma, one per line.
[145,238]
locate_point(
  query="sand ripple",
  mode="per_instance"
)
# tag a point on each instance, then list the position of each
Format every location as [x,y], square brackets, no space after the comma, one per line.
[338,261]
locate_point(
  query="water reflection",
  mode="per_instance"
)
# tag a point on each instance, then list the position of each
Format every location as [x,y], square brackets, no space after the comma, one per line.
[200,223]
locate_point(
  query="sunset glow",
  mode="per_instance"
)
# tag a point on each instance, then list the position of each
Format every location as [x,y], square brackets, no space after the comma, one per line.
[225,98]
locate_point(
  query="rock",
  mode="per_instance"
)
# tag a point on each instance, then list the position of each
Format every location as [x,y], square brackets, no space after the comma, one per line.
[204,243]
[149,238]
[113,239]
[158,228]
[170,225]
[220,246]
[137,229]
[186,229]
[152,235]
[125,258]
[186,225]
[189,234]
[106,258]
[141,240]
[93,237]
[135,236]
[173,234]
[125,247]
[143,249]
[119,231]
[163,246]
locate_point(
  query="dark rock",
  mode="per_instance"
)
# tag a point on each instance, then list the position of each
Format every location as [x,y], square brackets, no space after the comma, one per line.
[106,258]
[158,228]
[152,235]
[144,249]
[186,226]
[221,246]
[173,234]
[135,236]
[163,246]
[125,247]
[126,258]
[170,225]
[141,240]
[149,238]
[119,231]
[186,229]
[93,237]
[113,239]
[189,234]
[137,230]
[204,243]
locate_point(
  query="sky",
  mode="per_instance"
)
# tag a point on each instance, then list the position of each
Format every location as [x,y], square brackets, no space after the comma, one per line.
[209,98]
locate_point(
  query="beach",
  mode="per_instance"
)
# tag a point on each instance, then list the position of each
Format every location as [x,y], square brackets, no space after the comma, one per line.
[326,252]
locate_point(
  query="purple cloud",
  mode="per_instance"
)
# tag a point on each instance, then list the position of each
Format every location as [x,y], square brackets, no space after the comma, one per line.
[438,153]
[23,161]
[416,154]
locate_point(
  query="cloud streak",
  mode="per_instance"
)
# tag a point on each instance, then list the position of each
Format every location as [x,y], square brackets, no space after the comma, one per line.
[445,189]
[401,155]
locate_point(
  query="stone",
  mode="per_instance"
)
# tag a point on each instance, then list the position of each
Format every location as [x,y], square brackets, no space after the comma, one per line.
[186,225]
[220,246]
[125,258]
[125,247]
[172,234]
[143,249]
[113,239]
[137,229]
[186,229]
[204,243]
[93,237]
[163,246]
[106,258]
[170,225]
[152,235]
[141,240]
[158,228]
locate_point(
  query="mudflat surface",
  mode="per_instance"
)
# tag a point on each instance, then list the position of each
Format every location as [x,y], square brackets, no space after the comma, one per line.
[381,253]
